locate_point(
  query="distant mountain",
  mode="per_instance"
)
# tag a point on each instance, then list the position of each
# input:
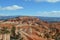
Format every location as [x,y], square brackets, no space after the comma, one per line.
[6,17]
[48,19]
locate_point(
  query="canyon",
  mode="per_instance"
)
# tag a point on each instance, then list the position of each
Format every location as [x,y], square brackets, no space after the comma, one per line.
[29,28]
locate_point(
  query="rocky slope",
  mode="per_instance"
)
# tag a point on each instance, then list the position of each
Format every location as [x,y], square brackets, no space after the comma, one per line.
[32,28]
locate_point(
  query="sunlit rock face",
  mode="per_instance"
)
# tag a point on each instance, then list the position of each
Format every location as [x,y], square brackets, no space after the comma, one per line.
[31,28]
[5,36]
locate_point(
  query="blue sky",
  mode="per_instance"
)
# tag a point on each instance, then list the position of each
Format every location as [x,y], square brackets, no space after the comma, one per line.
[46,8]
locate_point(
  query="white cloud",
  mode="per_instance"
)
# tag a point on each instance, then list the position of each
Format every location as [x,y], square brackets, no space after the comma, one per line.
[49,14]
[53,1]
[13,7]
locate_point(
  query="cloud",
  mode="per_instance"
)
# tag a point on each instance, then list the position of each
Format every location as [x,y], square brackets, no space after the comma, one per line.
[13,7]
[49,14]
[53,1]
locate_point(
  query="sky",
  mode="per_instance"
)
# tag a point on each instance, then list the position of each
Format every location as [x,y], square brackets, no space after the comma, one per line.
[45,8]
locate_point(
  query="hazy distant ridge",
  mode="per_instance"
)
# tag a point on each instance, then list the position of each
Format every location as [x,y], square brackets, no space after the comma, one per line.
[49,19]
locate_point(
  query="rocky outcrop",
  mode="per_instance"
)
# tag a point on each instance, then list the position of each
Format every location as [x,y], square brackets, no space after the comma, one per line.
[32,28]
